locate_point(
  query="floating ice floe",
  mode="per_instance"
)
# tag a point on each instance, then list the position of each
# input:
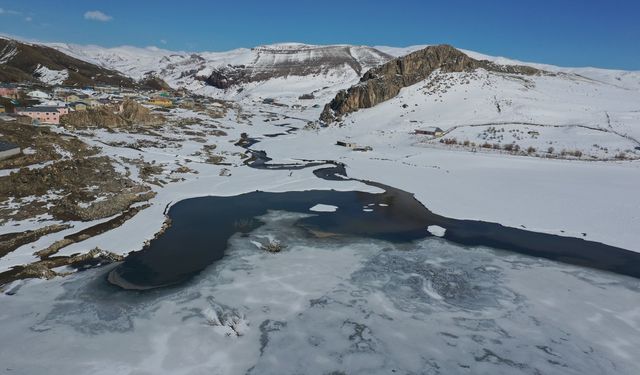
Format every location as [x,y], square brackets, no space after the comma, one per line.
[323,208]
[436,230]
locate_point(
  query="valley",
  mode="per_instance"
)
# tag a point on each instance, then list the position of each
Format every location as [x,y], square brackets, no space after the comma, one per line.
[260,198]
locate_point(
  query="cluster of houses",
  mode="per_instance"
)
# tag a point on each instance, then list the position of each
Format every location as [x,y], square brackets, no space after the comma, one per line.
[48,107]
[8,91]
[52,106]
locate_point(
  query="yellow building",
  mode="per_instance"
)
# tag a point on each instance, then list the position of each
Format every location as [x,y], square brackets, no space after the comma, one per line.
[79,106]
[71,98]
[162,102]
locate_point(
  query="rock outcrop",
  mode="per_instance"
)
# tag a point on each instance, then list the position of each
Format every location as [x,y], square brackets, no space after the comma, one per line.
[385,82]
[126,115]
[153,82]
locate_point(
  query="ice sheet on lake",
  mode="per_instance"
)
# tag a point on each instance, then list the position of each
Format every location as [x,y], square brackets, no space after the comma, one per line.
[356,306]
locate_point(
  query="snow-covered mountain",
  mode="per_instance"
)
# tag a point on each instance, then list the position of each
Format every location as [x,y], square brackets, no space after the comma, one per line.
[289,69]
[622,78]
[596,109]
[32,62]
[600,102]
[212,72]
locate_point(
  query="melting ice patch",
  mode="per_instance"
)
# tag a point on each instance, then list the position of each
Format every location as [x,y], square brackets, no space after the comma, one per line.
[436,230]
[344,305]
[50,76]
[323,208]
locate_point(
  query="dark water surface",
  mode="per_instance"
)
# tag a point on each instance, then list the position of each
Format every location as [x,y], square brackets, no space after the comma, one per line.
[201,228]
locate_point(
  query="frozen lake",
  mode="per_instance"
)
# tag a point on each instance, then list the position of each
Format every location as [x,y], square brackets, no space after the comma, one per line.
[332,305]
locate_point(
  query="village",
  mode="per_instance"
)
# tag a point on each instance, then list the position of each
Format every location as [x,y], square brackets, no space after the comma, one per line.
[36,105]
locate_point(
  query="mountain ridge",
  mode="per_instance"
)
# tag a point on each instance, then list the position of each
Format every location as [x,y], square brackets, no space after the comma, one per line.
[385,81]
[26,62]
[216,73]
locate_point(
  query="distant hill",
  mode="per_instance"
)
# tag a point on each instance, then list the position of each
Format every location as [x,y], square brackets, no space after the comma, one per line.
[217,72]
[385,81]
[25,62]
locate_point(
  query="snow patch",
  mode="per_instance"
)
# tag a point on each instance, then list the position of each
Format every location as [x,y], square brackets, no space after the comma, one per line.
[50,76]
[323,208]
[436,230]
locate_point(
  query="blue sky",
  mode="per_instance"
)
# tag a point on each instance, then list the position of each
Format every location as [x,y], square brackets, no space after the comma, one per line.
[602,33]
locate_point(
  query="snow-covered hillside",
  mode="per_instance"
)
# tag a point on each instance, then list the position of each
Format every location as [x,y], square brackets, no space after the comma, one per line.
[564,112]
[621,78]
[321,64]
[296,69]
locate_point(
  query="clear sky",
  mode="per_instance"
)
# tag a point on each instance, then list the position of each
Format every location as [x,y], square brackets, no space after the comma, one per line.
[602,33]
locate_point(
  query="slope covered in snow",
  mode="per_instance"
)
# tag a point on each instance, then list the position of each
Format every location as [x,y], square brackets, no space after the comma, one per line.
[32,62]
[213,73]
[622,78]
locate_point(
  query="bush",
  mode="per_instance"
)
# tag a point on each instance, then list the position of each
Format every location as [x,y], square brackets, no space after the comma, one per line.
[449,141]
[550,150]
[486,145]
[531,150]
[577,153]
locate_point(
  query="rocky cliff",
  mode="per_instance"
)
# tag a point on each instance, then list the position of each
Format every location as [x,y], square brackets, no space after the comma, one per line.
[385,82]
[128,114]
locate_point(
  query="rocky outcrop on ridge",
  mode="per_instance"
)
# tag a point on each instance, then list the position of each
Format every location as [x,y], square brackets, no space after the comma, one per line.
[385,82]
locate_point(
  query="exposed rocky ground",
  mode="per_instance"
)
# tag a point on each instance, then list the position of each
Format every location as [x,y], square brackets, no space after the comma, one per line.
[385,82]
[40,145]
[45,268]
[129,114]
[83,189]
[73,189]
[59,178]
